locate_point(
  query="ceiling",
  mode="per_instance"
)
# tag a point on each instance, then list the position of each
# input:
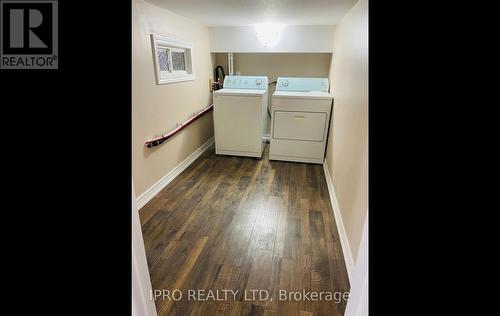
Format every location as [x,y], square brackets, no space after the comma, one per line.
[248,12]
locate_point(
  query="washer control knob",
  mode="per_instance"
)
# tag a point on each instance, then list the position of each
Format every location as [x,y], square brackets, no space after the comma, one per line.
[258,82]
[285,83]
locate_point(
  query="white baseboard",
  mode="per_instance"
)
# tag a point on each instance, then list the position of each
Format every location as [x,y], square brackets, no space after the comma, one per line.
[346,249]
[163,182]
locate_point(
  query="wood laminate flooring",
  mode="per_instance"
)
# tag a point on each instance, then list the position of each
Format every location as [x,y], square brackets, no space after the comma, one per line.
[242,224]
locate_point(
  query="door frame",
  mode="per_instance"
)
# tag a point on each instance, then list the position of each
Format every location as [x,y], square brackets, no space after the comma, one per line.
[142,304]
[358,297]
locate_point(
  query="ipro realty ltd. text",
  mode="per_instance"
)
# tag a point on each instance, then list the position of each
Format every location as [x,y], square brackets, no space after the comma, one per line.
[249,295]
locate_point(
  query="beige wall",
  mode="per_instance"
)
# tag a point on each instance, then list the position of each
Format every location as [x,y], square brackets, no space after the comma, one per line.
[293,39]
[157,108]
[347,151]
[274,65]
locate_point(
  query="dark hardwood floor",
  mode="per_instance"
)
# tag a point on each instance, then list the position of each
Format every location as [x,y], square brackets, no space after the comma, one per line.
[235,223]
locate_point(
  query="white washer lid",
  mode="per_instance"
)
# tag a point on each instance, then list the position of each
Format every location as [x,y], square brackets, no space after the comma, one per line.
[303,95]
[240,92]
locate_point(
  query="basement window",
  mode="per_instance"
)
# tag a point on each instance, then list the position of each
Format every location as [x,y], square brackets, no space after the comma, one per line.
[173,59]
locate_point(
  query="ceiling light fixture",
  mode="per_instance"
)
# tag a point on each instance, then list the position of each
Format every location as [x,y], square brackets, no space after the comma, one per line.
[268,34]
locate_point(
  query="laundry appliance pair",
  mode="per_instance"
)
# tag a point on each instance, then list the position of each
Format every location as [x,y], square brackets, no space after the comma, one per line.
[300,117]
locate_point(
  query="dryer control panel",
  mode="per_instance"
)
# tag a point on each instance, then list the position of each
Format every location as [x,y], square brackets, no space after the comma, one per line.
[245,82]
[302,84]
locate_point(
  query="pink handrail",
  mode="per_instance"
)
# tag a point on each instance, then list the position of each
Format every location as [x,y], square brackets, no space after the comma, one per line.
[160,139]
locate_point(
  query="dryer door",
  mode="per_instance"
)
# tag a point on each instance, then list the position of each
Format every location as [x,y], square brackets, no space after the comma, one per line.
[296,125]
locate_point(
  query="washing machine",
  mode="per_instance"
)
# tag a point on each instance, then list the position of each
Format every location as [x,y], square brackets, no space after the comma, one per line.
[240,109]
[300,118]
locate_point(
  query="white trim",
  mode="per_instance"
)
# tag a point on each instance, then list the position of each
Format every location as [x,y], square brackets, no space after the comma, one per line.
[177,79]
[142,304]
[163,182]
[358,294]
[344,241]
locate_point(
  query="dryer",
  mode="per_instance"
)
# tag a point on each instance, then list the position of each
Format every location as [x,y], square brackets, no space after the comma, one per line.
[240,109]
[300,119]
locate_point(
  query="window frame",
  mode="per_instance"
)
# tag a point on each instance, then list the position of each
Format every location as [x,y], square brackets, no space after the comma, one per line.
[172,44]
